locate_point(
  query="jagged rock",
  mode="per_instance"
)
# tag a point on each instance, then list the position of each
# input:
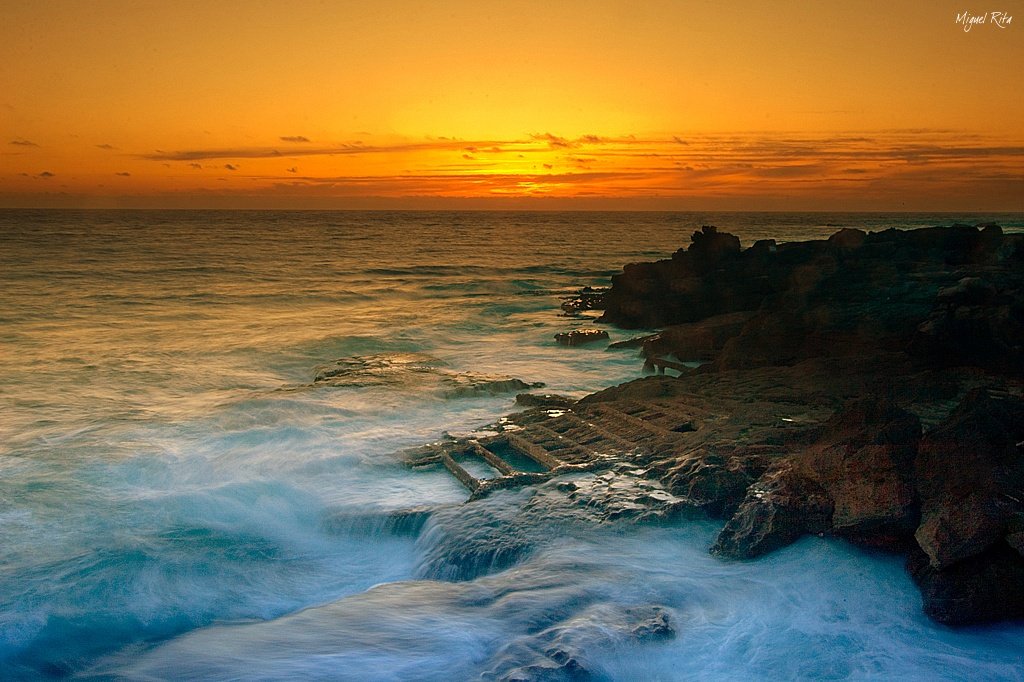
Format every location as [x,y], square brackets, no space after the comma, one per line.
[778,509]
[864,460]
[696,340]
[985,588]
[969,473]
[580,337]
[718,483]
[850,294]
[559,653]
[711,246]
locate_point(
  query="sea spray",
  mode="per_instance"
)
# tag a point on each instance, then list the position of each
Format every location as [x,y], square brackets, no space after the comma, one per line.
[174,487]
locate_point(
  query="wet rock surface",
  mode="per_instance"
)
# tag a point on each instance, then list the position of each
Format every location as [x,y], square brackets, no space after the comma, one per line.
[866,387]
[581,337]
[395,369]
[927,459]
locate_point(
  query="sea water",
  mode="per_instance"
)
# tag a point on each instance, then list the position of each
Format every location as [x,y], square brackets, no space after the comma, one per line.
[171,478]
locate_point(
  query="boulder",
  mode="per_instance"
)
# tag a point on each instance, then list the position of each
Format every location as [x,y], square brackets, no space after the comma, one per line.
[969,472]
[778,509]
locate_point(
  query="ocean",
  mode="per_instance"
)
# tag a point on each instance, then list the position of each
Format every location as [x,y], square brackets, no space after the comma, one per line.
[172,478]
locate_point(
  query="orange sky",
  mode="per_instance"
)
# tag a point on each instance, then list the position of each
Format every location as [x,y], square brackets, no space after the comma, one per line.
[475,104]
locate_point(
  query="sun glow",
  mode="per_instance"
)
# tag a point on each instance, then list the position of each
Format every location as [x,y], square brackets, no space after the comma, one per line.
[664,105]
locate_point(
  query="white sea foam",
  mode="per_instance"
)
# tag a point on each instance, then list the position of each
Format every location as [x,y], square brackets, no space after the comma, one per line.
[169,474]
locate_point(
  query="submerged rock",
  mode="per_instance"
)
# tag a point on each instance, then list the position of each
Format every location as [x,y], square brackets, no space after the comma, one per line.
[547,400]
[415,369]
[580,337]
[499,531]
[561,652]
[587,298]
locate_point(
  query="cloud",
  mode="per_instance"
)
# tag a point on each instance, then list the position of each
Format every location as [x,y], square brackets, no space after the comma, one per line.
[337,150]
[197,166]
[108,147]
[679,140]
[294,138]
[21,142]
[293,169]
[46,174]
[231,166]
[590,139]
[548,166]
[124,174]
[554,141]
[468,157]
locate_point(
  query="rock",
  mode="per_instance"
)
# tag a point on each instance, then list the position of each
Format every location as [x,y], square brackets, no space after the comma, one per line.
[470,384]
[778,509]
[853,293]
[864,461]
[546,400]
[985,588]
[696,340]
[718,483]
[559,652]
[711,246]
[587,298]
[975,323]
[847,239]
[635,342]
[580,337]
[969,472]
[415,369]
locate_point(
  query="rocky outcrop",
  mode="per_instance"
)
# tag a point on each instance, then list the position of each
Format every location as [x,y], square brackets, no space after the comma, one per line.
[853,293]
[931,464]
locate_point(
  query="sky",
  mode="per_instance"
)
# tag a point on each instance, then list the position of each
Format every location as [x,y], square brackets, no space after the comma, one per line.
[633,105]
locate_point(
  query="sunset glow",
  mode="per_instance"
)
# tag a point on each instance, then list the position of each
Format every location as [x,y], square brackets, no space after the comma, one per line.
[462,104]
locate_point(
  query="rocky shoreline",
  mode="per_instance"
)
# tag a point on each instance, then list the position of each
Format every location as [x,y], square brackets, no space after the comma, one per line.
[869,387]
[893,360]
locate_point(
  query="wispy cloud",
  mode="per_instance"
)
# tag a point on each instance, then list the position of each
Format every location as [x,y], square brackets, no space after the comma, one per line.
[124,174]
[231,166]
[197,166]
[108,147]
[20,142]
[294,138]
[46,174]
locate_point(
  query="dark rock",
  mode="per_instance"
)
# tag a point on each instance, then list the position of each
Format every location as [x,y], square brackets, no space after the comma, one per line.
[778,509]
[975,323]
[716,483]
[864,460]
[696,340]
[580,337]
[711,246]
[847,239]
[969,473]
[985,588]
[548,400]
[635,342]
[587,298]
